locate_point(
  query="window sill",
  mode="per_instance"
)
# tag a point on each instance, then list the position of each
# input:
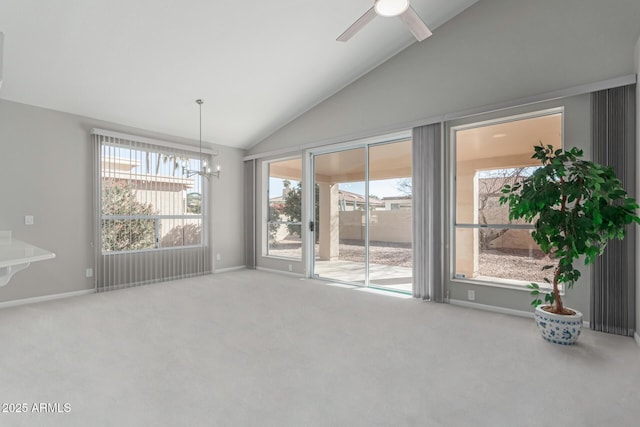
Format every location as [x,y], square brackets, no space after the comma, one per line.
[282,258]
[140,251]
[516,285]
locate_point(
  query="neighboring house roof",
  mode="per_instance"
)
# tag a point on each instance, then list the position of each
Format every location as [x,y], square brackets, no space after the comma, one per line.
[397,198]
[343,195]
[359,199]
[119,169]
[348,196]
[276,199]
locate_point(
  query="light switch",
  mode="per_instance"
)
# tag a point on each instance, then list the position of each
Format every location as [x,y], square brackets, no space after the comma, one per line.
[28,220]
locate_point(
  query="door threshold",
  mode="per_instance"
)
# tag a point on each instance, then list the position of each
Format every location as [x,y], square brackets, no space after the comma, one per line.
[362,288]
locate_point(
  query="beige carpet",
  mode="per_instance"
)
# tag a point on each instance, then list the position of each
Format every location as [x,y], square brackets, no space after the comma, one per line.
[251,348]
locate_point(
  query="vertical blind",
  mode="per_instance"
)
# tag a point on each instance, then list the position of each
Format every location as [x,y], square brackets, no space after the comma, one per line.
[427,217]
[151,218]
[250,213]
[613,139]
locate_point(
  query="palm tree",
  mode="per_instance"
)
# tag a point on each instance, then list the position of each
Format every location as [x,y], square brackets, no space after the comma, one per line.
[170,158]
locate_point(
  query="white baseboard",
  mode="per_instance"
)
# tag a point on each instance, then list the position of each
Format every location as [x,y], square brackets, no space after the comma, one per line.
[500,310]
[491,308]
[43,298]
[226,270]
[637,338]
[286,273]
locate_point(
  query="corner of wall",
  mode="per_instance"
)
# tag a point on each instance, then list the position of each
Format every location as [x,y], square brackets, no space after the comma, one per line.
[636,63]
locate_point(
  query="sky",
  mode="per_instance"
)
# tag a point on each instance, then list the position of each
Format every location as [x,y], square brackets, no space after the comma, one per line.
[381,188]
[111,153]
[385,187]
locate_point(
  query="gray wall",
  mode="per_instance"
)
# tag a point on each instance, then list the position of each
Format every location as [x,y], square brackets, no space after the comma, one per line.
[227,210]
[637,68]
[496,51]
[46,171]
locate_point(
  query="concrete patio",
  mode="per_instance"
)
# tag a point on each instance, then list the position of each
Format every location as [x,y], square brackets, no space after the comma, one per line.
[380,276]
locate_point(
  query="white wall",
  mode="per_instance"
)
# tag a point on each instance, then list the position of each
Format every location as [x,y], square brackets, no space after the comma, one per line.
[496,51]
[46,171]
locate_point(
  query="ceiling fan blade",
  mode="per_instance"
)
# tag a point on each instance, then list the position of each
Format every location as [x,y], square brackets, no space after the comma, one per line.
[357,26]
[415,24]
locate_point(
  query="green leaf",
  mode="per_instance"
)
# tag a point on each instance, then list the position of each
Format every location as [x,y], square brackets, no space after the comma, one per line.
[576,207]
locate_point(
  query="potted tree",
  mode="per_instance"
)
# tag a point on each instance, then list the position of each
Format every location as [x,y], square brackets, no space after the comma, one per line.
[576,206]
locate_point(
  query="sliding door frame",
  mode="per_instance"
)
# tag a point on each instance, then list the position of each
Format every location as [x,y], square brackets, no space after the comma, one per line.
[308,191]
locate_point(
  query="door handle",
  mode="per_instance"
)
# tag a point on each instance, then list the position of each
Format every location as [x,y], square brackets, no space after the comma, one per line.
[311,225]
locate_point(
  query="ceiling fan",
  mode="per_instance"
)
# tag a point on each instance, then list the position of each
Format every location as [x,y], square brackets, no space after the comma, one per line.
[387,8]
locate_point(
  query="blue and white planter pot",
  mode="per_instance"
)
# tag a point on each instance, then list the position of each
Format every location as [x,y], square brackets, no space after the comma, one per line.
[558,329]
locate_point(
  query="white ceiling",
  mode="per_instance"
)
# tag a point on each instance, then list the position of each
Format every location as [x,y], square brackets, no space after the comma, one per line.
[257,64]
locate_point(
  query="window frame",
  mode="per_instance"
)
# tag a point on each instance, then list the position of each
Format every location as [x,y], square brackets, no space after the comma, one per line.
[454,225]
[266,222]
[150,147]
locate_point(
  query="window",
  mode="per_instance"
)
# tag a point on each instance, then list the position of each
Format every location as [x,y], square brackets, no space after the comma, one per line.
[146,203]
[488,247]
[151,216]
[284,209]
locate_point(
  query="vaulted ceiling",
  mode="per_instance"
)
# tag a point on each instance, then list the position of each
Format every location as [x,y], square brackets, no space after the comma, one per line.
[143,63]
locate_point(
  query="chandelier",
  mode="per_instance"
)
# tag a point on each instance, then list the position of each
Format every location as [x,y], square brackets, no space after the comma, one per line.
[205,169]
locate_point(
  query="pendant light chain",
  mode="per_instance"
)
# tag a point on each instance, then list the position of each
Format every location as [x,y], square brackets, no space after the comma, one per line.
[205,169]
[202,164]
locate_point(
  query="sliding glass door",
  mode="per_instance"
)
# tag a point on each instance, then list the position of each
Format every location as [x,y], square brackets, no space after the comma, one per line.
[362,215]
[340,204]
[390,216]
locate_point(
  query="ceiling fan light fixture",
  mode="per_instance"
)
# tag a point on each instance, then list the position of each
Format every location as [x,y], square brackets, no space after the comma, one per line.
[391,7]
[387,8]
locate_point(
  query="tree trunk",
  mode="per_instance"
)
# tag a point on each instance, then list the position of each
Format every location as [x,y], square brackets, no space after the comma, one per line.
[559,306]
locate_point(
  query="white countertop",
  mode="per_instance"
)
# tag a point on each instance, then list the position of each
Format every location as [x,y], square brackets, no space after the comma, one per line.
[15,252]
[16,255]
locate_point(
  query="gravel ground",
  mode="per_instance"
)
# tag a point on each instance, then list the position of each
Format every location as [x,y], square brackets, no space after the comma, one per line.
[396,254]
[513,264]
[517,265]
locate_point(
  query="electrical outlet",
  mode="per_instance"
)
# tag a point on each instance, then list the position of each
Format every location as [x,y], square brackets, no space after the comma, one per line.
[218,257]
[290,267]
[89,272]
[471,295]
[28,220]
